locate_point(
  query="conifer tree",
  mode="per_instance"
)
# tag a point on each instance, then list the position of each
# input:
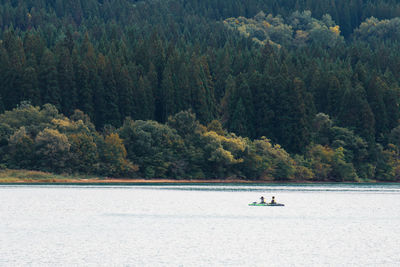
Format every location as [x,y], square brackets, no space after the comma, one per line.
[391,99]
[226,101]
[48,83]
[356,113]
[143,100]
[12,77]
[30,88]
[242,109]
[66,80]
[375,96]
[124,84]
[292,123]
[263,104]
[199,91]
[111,113]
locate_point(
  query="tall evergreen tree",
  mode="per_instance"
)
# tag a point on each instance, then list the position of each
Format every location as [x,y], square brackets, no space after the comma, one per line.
[111,113]
[66,80]
[375,96]
[242,109]
[48,82]
[356,112]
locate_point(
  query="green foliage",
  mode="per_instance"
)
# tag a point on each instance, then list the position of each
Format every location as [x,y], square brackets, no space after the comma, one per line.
[113,157]
[321,161]
[34,119]
[328,164]
[283,171]
[222,153]
[357,114]
[373,29]
[263,160]
[216,126]
[150,60]
[342,170]
[51,149]
[184,123]
[21,148]
[300,29]
[153,146]
[84,156]
[42,139]
[182,148]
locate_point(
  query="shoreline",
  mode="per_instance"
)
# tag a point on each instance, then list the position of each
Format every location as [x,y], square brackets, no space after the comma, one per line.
[12,176]
[127,181]
[141,181]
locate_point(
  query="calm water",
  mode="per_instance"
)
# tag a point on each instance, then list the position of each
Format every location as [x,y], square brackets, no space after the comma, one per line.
[199,225]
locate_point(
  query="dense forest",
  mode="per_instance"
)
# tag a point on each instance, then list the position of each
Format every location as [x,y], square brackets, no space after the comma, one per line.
[255,89]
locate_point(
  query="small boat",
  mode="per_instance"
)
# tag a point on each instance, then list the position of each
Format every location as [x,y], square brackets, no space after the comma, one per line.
[267,204]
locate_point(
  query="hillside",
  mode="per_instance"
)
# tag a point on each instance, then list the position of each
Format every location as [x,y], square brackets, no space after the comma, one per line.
[320,78]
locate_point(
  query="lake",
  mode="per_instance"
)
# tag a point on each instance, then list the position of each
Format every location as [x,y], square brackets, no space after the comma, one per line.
[199,225]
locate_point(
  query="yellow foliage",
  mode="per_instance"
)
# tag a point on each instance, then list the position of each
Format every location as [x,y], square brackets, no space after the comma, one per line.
[230,143]
[201,129]
[67,125]
[335,30]
[115,145]
[235,144]
[257,41]
[52,132]
[266,24]
[226,156]
[274,44]
[63,123]
[82,140]
[323,153]
[216,126]
[302,35]
[302,172]
[242,29]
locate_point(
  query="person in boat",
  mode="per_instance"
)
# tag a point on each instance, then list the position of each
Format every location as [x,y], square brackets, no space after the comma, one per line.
[262,200]
[272,201]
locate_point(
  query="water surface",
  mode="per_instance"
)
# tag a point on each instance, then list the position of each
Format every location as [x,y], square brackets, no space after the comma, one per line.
[199,225]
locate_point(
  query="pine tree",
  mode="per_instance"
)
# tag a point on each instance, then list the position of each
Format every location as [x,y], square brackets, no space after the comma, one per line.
[111,113]
[292,117]
[391,101]
[209,88]
[65,70]
[226,101]
[83,78]
[356,113]
[143,107]
[30,86]
[238,122]
[263,104]
[4,66]
[375,96]
[242,109]
[48,83]
[222,72]
[34,46]
[125,88]
[12,77]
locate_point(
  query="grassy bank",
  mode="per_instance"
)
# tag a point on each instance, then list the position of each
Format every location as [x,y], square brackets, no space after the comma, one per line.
[29,176]
[8,176]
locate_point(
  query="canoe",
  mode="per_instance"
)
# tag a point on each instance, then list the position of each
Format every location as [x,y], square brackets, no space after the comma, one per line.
[267,204]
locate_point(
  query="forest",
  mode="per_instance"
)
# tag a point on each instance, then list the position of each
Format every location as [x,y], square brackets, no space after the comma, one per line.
[250,89]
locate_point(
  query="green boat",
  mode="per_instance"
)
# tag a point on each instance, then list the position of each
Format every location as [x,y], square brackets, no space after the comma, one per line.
[266,204]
